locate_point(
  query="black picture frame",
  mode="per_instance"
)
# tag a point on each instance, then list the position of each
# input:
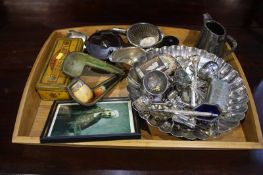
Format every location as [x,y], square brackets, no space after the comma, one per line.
[46,136]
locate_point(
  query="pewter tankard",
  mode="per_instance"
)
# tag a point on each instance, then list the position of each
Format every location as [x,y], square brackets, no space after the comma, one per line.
[213,37]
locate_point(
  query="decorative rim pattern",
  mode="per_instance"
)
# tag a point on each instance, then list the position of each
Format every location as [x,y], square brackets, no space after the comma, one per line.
[237,103]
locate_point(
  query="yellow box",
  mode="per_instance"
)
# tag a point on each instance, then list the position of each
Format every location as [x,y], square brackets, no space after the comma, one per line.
[53,82]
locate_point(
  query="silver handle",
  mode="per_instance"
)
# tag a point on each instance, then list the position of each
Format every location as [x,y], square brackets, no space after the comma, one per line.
[119,30]
[193,113]
[233,44]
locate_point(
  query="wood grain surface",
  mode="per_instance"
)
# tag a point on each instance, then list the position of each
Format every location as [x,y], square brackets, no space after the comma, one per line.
[26,24]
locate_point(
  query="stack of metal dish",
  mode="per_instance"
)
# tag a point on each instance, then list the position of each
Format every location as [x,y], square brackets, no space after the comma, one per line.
[187,92]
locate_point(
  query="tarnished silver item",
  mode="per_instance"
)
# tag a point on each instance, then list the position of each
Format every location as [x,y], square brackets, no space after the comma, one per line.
[195,61]
[128,55]
[218,93]
[191,113]
[205,96]
[209,70]
[143,35]
[141,103]
[133,79]
[76,34]
[154,63]
[213,37]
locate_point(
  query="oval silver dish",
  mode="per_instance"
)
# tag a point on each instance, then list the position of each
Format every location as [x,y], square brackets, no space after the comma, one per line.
[229,119]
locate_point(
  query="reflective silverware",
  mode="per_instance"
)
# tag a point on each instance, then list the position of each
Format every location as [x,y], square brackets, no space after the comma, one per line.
[128,55]
[76,34]
[238,108]
[230,77]
[141,103]
[218,93]
[135,93]
[240,90]
[142,35]
[208,70]
[176,100]
[184,120]
[229,124]
[213,37]
[151,64]
[166,126]
[218,78]
[223,70]
[234,116]
[155,82]
[195,61]
[238,99]
[192,113]
[236,83]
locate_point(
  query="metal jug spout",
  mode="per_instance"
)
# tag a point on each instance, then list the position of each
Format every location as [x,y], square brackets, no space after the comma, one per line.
[207,17]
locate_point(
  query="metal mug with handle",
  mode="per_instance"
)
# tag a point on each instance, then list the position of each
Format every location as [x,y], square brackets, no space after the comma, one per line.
[213,37]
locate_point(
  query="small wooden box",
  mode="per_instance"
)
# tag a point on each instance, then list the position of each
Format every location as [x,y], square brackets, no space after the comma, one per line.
[33,111]
[53,82]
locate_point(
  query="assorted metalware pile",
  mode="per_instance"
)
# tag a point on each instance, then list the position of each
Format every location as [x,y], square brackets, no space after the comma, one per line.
[189,92]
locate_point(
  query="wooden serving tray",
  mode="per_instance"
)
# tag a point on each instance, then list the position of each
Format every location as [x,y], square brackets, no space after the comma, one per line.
[33,111]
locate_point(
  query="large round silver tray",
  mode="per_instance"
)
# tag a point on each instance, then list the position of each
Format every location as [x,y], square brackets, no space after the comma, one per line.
[236,105]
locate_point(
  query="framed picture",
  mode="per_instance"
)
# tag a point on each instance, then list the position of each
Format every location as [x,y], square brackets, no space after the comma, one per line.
[110,119]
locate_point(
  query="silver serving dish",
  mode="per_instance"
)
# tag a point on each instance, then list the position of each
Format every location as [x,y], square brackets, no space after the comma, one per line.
[128,55]
[206,68]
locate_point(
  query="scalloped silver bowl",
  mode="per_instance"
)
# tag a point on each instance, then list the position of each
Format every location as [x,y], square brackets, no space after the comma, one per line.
[229,119]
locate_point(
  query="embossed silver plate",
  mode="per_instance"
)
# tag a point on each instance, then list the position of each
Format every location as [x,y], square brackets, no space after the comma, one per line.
[230,117]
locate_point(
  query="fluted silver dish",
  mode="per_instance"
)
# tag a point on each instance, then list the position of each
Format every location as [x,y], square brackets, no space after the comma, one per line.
[230,118]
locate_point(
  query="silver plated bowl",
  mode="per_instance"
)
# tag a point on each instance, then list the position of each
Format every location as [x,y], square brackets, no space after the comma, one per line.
[128,55]
[228,119]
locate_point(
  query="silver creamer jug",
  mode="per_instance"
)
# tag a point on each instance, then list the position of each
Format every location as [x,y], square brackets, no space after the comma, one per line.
[213,37]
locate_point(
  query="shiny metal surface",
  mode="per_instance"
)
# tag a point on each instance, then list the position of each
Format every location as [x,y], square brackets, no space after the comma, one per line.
[76,34]
[128,55]
[155,82]
[143,35]
[133,79]
[218,93]
[213,37]
[210,68]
